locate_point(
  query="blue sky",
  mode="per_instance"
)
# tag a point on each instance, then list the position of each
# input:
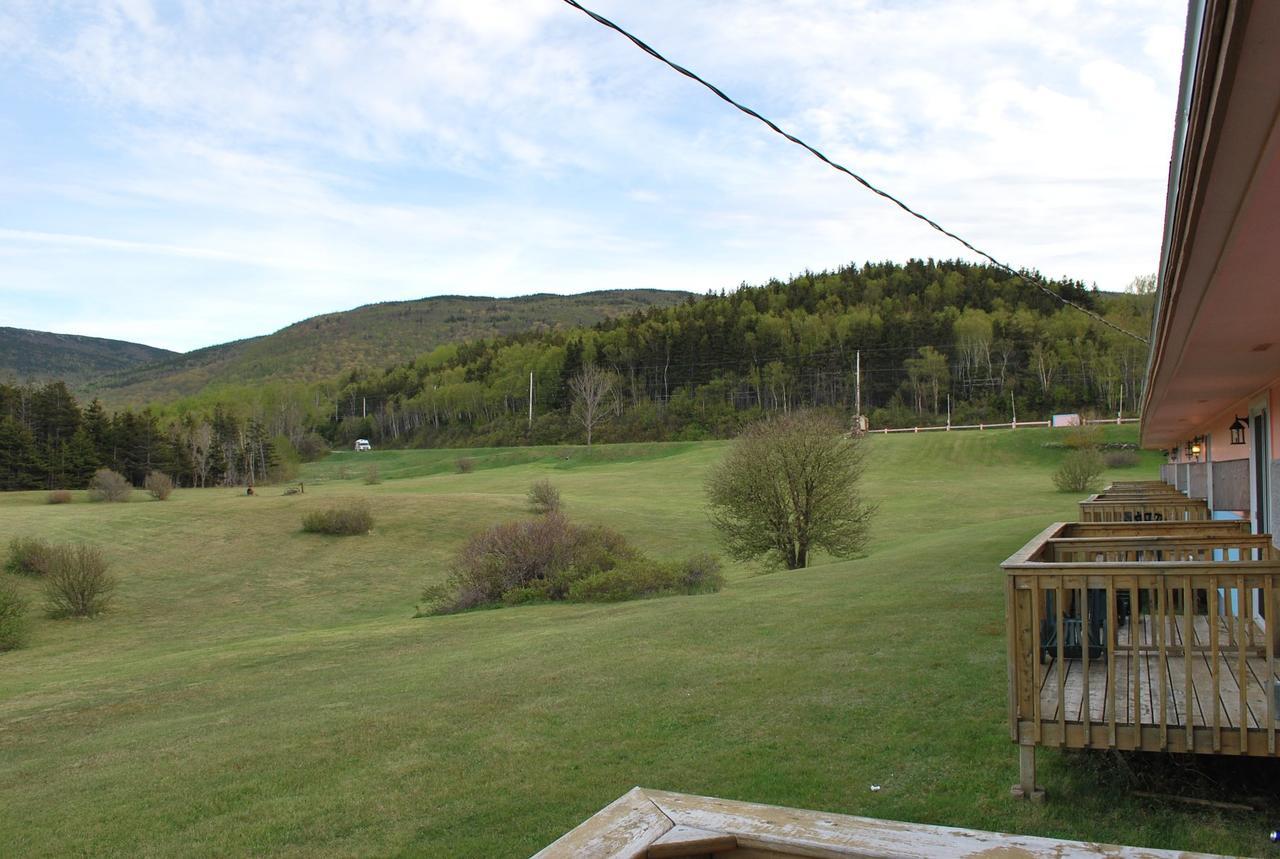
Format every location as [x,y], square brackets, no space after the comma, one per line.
[183,173]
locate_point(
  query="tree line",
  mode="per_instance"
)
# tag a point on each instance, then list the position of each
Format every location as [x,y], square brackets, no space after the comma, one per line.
[47,441]
[934,337]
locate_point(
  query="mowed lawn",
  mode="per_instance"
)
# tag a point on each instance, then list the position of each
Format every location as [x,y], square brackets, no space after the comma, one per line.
[257,690]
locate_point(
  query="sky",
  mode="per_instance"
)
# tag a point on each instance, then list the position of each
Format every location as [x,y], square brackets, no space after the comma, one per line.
[182,174]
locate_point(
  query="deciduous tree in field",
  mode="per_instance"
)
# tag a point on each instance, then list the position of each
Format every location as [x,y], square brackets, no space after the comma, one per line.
[592,391]
[790,485]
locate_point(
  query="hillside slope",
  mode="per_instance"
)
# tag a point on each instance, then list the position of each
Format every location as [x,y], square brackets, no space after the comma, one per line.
[40,356]
[256,690]
[372,336]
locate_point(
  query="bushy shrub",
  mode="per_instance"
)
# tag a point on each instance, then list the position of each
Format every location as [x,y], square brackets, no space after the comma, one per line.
[551,559]
[351,517]
[108,485]
[28,556]
[372,477]
[159,485]
[641,578]
[629,581]
[1083,436]
[465,465]
[1079,471]
[701,573]
[544,497]
[13,617]
[58,496]
[311,447]
[77,582]
[1120,458]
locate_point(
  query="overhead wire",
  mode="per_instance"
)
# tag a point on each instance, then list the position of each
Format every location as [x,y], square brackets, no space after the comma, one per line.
[1023,276]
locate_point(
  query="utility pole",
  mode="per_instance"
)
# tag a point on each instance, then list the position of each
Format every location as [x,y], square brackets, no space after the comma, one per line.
[530,400]
[857,387]
[364,407]
[1014,403]
[948,412]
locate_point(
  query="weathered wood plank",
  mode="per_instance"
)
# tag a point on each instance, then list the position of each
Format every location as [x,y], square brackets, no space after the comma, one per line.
[623,829]
[685,841]
[793,832]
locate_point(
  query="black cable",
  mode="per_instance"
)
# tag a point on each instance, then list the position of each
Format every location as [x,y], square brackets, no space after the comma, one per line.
[1034,281]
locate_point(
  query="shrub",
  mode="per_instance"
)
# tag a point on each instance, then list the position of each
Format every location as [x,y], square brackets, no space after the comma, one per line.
[13,617]
[544,497]
[1083,436]
[372,477]
[551,559]
[640,578]
[28,556]
[347,519]
[1120,458]
[311,447]
[108,485]
[77,581]
[701,573]
[629,581]
[58,496]
[158,485]
[465,465]
[1079,471]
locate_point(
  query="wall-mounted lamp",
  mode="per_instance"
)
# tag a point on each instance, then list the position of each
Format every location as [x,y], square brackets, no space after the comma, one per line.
[1237,430]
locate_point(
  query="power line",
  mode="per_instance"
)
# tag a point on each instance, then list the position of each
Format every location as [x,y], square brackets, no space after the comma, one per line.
[1026,278]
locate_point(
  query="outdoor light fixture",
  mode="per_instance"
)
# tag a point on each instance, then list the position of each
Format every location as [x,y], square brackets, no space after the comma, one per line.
[1195,446]
[1237,430]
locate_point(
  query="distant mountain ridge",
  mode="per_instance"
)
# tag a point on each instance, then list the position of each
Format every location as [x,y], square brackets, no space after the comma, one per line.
[41,356]
[372,336]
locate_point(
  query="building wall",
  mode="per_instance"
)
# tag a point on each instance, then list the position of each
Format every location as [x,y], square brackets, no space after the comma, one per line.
[1231,485]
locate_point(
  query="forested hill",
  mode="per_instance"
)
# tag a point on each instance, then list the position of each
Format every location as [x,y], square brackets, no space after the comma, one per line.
[375,335]
[930,334]
[39,356]
[927,332]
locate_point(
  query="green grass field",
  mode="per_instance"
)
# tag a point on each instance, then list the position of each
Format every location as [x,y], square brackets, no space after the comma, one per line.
[257,690]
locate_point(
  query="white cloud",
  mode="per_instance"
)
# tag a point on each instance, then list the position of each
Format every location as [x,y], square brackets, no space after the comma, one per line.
[326,154]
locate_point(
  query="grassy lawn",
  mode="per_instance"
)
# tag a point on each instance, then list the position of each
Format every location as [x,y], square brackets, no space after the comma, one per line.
[258,690]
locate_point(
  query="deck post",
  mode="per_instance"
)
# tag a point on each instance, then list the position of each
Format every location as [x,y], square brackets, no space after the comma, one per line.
[1026,788]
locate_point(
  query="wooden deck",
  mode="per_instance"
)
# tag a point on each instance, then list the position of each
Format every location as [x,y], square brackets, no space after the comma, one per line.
[1157,635]
[1162,680]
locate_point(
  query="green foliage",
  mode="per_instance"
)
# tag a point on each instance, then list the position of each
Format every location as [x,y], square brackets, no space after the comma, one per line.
[638,579]
[544,497]
[158,485]
[706,368]
[13,617]
[371,476]
[788,486]
[108,485]
[465,465]
[77,581]
[347,518]
[1079,471]
[28,556]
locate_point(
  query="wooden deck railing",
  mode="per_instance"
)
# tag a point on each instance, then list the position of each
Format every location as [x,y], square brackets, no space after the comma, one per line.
[1208,527]
[1160,507]
[1151,655]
